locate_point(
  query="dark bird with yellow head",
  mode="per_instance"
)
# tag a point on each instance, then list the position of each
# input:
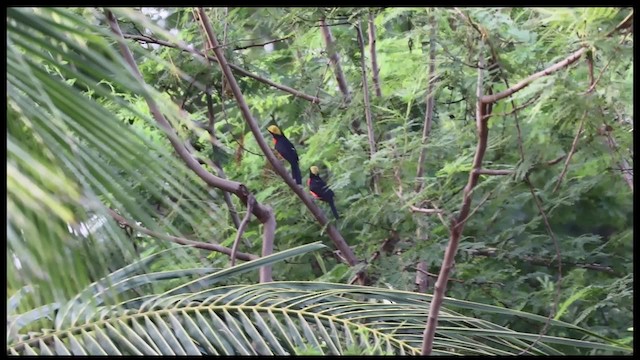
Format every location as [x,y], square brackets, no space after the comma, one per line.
[285,148]
[319,189]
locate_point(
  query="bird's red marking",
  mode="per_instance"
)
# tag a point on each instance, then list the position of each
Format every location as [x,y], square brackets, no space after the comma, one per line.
[309,182]
[275,141]
[314,194]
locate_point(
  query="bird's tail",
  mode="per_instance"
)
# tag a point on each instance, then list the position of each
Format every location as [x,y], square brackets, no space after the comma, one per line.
[333,209]
[295,173]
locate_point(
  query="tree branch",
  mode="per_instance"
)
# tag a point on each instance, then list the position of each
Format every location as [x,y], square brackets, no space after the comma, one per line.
[333,233]
[374,57]
[422,277]
[428,116]
[627,22]
[262,44]
[487,99]
[263,213]
[243,225]
[517,108]
[594,83]
[493,172]
[335,60]
[457,225]
[624,164]
[424,211]
[212,139]
[558,257]
[571,152]
[179,240]
[535,260]
[367,106]
[235,68]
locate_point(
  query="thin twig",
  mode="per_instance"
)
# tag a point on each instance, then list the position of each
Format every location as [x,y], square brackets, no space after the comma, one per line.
[476,208]
[430,103]
[493,172]
[367,106]
[555,161]
[263,44]
[178,240]
[558,257]
[235,68]
[424,211]
[517,108]
[243,225]
[436,275]
[535,260]
[571,152]
[454,58]
[452,102]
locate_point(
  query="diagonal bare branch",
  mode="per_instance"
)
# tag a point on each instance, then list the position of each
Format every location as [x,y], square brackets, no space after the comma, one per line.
[367,106]
[334,57]
[375,71]
[333,233]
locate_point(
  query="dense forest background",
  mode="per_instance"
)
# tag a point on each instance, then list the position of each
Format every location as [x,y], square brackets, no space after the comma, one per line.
[489,149]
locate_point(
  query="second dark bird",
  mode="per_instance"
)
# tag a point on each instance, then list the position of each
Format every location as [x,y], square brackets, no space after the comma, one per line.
[319,189]
[285,148]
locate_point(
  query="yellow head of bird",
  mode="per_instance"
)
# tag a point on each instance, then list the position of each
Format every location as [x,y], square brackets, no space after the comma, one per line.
[274,130]
[314,170]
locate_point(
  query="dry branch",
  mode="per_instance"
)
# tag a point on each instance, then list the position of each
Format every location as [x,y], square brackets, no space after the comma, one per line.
[335,60]
[333,233]
[367,106]
[493,172]
[179,240]
[237,69]
[262,44]
[375,71]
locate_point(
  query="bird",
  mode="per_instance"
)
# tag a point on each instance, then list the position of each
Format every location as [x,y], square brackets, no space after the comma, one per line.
[285,148]
[319,189]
